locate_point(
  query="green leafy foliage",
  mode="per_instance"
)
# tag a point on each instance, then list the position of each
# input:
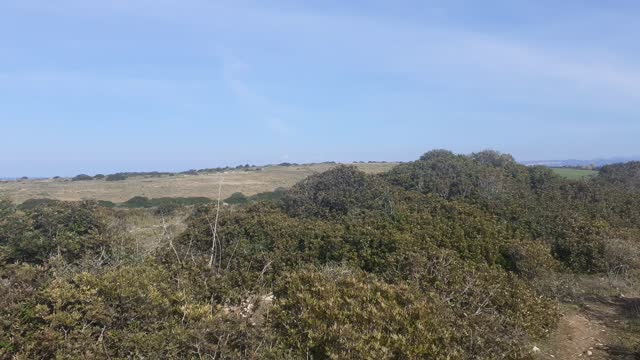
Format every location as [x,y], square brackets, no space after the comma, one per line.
[68,230]
[339,313]
[336,192]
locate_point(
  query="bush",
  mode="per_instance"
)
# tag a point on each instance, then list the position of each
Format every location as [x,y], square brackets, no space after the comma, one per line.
[484,300]
[581,246]
[336,192]
[134,310]
[82,177]
[116,177]
[31,204]
[236,199]
[6,208]
[339,313]
[190,172]
[529,259]
[269,196]
[622,255]
[106,203]
[70,230]
[137,202]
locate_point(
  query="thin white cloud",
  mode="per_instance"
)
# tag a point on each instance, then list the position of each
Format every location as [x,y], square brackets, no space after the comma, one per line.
[422,50]
[380,44]
[233,73]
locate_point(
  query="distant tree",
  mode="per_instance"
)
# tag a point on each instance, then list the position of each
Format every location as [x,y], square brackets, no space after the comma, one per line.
[99,176]
[82,177]
[116,177]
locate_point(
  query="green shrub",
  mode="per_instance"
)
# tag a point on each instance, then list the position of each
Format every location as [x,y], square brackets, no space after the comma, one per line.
[529,259]
[82,177]
[236,199]
[31,204]
[131,311]
[106,203]
[137,202]
[70,230]
[116,177]
[336,192]
[6,208]
[582,245]
[339,313]
[269,196]
[484,300]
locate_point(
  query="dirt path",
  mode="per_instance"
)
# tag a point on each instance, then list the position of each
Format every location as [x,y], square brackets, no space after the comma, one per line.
[577,336]
[591,330]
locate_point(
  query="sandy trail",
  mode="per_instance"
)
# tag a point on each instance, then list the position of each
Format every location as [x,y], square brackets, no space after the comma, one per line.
[590,331]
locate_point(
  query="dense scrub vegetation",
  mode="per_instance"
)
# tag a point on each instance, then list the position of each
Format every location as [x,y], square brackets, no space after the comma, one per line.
[447,257]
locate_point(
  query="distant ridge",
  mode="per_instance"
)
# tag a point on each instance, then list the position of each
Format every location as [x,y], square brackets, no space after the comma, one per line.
[575,162]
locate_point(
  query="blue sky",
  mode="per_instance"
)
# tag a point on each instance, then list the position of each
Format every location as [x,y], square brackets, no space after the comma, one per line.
[113,85]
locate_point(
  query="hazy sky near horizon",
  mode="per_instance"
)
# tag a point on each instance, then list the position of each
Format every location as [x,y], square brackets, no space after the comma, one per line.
[113,85]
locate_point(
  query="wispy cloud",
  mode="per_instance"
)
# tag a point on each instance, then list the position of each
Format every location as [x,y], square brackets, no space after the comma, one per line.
[442,51]
[269,113]
[377,43]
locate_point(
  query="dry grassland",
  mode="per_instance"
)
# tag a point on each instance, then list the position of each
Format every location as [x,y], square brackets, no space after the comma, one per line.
[248,183]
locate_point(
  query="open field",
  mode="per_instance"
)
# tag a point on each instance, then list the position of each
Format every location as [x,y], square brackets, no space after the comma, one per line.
[574,174]
[246,182]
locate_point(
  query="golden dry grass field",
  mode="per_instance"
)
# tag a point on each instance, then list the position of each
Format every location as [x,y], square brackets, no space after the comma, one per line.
[246,182]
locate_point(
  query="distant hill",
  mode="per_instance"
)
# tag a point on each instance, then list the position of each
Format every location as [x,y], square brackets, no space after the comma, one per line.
[580,163]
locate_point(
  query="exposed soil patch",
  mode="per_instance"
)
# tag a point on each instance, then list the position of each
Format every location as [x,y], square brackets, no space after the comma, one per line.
[593,330]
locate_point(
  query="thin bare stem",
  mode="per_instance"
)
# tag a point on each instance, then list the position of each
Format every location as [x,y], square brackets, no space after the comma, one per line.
[215,225]
[170,238]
